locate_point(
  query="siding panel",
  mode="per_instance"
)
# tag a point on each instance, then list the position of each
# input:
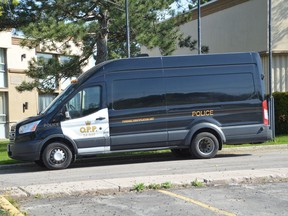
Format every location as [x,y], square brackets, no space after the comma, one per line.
[279,72]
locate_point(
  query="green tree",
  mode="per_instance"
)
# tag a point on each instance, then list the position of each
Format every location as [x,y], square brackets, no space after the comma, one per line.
[96,27]
[191,43]
[5,3]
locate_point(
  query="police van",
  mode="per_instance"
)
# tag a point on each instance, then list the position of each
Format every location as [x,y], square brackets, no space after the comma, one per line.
[189,104]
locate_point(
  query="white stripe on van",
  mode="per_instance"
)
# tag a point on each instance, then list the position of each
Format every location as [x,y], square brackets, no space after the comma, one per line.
[93,150]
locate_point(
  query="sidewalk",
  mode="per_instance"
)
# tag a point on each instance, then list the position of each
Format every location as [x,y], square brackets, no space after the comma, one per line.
[108,186]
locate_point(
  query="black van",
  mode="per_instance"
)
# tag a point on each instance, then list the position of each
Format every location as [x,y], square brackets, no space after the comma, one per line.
[189,104]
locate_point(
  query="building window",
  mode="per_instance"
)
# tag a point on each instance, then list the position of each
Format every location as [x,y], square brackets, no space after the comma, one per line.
[45,100]
[3,115]
[45,57]
[64,59]
[50,81]
[3,75]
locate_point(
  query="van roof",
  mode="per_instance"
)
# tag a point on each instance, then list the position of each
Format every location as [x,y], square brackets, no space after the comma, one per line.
[180,61]
[144,63]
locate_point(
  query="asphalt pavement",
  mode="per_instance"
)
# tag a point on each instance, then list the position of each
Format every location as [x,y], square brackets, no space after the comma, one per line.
[115,185]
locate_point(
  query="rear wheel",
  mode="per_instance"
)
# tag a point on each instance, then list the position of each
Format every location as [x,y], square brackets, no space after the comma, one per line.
[204,145]
[57,156]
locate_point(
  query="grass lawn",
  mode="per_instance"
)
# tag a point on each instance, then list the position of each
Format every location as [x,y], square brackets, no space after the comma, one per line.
[283,139]
[4,159]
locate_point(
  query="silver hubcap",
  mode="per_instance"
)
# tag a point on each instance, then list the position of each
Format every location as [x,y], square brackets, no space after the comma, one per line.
[206,145]
[57,156]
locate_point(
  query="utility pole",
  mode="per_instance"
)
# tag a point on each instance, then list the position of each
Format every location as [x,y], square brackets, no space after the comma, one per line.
[271,104]
[199,27]
[127,28]
[270,45]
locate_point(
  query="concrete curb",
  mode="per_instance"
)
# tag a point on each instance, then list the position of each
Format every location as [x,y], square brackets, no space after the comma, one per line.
[108,186]
[254,148]
[7,206]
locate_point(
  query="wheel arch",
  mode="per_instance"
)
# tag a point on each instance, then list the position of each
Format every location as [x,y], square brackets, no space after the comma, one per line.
[206,127]
[60,138]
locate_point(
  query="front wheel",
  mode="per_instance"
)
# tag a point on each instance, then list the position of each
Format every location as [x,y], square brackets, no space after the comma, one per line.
[204,145]
[57,156]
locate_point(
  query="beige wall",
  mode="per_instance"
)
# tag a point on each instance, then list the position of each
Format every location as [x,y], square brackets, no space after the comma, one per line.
[17,99]
[236,29]
[5,40]
[280,25]
[16,66]
[241,27]
[14,59]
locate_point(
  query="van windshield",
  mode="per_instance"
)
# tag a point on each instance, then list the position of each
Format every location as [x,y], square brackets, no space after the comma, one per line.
[61,97]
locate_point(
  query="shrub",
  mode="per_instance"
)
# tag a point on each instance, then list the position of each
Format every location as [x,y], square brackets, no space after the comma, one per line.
[281,112]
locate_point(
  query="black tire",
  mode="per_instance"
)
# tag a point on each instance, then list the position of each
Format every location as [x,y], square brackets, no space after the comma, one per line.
[57,156]
[204,145]
[180,152]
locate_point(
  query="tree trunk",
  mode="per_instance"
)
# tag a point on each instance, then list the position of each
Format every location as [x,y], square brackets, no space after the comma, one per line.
[102,51]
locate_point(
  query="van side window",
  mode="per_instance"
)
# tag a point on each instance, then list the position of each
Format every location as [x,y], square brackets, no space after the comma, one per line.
[209,88]
[84,102]
[138,93]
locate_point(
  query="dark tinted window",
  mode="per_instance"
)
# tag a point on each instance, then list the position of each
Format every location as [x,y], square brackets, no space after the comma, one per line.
[209,88]
[137,93]
[85,102]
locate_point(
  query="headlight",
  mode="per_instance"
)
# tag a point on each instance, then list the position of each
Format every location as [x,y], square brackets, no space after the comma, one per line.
[30,127]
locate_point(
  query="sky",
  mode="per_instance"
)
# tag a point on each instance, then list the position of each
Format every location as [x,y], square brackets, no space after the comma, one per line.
[165,15]
[182,2]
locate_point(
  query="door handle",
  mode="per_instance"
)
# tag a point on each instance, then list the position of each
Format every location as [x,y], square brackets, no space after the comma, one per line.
[100,118]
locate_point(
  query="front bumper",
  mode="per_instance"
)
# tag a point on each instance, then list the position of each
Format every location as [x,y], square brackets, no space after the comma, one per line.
[26,151]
